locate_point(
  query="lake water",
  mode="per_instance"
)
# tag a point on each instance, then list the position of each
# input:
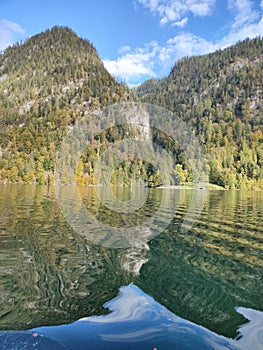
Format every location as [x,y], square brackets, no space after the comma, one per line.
[52,275]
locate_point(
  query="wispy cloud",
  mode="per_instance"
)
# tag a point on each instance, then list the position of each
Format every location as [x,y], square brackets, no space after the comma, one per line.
[187,44]
[175,11]
[124,49]
[181,23]
[9,33]
[247,23]
[155,60]
[134,65]
[245,13]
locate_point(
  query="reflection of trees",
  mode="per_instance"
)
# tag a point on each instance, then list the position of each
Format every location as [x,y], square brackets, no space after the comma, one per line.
[51,275]
[204,273]
[48,273]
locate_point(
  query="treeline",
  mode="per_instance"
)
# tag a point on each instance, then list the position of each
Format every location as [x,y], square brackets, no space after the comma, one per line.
[220,96]
[55,78]
[46,84]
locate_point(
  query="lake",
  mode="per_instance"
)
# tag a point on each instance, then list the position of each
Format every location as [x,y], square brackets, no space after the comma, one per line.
[52,274]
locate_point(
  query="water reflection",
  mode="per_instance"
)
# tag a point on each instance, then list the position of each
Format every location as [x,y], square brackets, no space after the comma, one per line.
[51,275]
[135,321]
[100,222]
[134,258]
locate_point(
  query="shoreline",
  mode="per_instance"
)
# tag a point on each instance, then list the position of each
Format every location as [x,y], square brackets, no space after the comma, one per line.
[186,186]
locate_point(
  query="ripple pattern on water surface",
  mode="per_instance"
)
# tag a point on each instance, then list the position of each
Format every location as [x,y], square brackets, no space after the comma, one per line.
[50,275]
[205,273]
[135,321]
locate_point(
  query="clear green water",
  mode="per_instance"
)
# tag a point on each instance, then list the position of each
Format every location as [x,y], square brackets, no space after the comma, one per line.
[51,275]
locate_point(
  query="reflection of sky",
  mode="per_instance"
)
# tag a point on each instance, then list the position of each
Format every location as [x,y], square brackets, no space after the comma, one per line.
[252,332]
[134,258]
[135,321]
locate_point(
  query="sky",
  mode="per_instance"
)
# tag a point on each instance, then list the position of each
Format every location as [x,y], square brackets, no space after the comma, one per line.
[137,39]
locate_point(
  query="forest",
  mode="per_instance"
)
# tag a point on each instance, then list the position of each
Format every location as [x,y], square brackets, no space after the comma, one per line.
[220,96]
[55,78]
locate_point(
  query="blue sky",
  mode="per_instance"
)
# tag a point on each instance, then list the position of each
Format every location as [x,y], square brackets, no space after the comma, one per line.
[138,39]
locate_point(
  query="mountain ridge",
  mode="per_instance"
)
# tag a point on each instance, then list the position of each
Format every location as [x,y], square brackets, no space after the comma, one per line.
[46,83]
[220,96]
[55,77]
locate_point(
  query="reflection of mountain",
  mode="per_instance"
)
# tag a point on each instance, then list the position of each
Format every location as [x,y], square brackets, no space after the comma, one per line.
[204,273]
[47,271]
[136,321]
[51,275]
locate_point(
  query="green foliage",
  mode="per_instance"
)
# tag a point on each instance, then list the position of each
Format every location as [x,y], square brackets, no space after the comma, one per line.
[54,78]
[220,96]
[46,84]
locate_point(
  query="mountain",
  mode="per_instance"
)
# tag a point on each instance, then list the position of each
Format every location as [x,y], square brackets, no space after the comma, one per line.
[53,79]
[220,96]
[46,83]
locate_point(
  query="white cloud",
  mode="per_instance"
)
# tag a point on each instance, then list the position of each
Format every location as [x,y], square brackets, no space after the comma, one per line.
[174,11]
[124,49]
[245,13]
[144,62]
[9,33]
[187,44]
[201,8]
[247,23]
[12,26]
[134,65]
[181,23]
[156,60]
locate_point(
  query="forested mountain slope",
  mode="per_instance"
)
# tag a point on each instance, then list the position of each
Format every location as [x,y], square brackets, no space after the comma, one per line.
[220,96]
[45,84]
[54,78]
